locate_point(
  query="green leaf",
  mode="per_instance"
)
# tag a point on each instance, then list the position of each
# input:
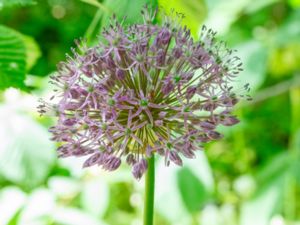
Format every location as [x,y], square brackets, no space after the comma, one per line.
[195,11]
[294,3]
[224,13]
[95,197]
[168,195]
[39,207]
[12,201]
[26,153]
[63,186]
[18,54]
[15,219]
[274,167]
[9,3]
[193,191]
[74,216]
[33,52]
[12,59]
[201,168]
[285,60]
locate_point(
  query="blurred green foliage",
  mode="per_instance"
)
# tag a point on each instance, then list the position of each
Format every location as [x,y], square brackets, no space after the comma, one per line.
[250,177]
[13,59]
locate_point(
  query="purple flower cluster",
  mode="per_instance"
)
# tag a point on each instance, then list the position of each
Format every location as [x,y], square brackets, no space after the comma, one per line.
[144,89]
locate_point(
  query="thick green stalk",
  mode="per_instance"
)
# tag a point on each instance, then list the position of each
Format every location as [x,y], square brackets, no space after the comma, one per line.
[149,192]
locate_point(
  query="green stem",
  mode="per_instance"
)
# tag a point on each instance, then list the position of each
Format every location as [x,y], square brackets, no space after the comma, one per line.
[92,27]
[149,192]
[291,185]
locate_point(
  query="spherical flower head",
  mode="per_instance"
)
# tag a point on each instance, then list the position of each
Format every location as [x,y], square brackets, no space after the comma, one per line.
[143,89]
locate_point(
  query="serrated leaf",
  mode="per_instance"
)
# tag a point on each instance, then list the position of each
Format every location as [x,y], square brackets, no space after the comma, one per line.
[194,12]
[9,3]
[12,59]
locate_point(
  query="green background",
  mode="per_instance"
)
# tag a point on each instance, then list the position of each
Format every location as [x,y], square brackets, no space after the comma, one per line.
[252,176]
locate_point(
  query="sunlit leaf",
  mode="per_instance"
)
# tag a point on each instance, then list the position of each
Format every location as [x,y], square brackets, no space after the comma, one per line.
[33,52]
[40,205]
[285,60]
[12,200]
[95,197]
[26,153]
[254,57]
[168,195]
[285,55]
[64,186]
[73,216]
[15,219]
[224,13]
[212,215]
[12,59]
[201,168]
[194,12]
[294,3]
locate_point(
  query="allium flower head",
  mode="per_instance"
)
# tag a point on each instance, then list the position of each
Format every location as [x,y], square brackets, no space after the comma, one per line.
[143,89]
